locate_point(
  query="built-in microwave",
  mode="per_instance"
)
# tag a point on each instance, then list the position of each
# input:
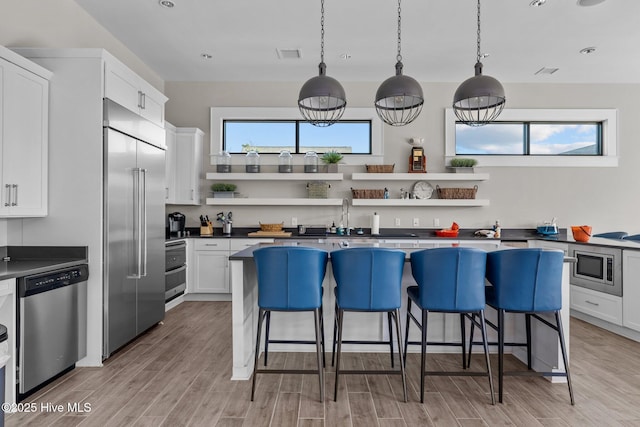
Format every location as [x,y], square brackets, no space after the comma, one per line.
[598,268]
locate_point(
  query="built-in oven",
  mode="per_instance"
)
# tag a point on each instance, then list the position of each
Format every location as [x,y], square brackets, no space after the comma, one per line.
[598,268]
[175,276]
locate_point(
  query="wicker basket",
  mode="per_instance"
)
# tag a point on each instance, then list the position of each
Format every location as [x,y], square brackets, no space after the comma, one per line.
[456,193]
[367,194]
[380,168]
[318,189]
[271,227]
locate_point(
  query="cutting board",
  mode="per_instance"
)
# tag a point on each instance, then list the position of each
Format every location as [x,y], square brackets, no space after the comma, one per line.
[270,234]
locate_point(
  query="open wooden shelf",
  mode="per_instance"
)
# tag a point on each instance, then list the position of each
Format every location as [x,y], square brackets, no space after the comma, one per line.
[274,176]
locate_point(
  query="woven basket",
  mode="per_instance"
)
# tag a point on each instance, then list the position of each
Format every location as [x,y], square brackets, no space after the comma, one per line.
[380,168]
[367,194]
[271,227]
[456,193]
[318,190]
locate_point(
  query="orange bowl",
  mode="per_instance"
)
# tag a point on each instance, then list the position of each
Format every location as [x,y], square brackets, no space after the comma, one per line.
[581,233]
[447,233]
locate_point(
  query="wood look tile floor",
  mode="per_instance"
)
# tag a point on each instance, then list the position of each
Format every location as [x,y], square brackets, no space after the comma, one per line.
[177,374]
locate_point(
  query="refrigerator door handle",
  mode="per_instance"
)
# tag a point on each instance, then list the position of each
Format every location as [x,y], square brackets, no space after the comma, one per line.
[143,219]
[137,224]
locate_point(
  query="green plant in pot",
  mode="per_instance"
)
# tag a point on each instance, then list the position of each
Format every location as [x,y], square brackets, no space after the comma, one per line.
[463,164]
[331,159]
[223,190]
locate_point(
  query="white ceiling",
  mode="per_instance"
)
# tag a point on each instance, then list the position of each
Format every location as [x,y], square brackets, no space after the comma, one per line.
[438,39]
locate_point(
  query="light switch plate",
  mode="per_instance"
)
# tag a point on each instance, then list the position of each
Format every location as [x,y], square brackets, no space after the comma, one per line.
[294,221]
[416,222]
[397,222]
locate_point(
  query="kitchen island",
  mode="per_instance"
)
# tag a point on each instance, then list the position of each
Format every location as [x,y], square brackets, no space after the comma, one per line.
[373,326]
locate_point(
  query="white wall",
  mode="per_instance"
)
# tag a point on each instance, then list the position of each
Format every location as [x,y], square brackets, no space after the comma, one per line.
[520,197]
[62,23]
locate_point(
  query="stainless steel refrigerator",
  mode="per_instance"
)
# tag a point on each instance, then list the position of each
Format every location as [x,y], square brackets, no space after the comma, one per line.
[134,228]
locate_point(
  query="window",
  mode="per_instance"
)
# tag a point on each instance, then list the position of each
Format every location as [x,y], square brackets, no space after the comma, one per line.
[544,137]
[530,139]
[297,136]
[272,129]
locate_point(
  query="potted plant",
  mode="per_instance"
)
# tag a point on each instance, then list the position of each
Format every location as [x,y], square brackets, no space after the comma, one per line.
[331,159]
[223,190]
[460,164]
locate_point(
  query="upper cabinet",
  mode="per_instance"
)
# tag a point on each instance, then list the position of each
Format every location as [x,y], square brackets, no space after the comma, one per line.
[128,89]
[24,128]
[184,165]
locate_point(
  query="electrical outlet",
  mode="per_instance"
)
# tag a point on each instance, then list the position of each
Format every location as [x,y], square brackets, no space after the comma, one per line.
[436,222]
[397,222]
[294,221]
[416,222]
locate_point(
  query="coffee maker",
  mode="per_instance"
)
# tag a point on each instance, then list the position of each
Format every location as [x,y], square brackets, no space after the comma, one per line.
[176,224]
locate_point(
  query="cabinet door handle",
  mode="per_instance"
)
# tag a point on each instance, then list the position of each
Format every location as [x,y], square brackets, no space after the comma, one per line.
[143,101]
[592,303]
[211,244]
[8,199]
[15,195]
[192,194]
[139,99]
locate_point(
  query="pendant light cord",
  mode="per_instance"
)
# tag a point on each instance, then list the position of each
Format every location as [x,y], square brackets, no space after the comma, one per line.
[399,56]
[478,46]
[322,31]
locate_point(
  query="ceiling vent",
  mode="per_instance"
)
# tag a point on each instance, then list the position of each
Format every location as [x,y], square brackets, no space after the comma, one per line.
[546,70]
[289,53]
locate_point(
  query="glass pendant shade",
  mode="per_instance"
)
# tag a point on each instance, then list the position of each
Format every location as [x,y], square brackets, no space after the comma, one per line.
[322,99]
[479,99]
[399,99]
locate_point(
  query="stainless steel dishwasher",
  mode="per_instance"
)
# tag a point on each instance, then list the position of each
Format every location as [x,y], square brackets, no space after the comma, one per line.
[52,322]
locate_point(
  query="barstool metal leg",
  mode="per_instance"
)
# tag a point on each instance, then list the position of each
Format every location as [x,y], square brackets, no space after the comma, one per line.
[500,353]
[335,332]
[406,335]
[423,353]
[339,323]
[396,316]
[324,362]
[255,364]
[463,341]
[564,354]
[486,355]
[320,353]
[527,320]
[471,332]
[266,338]
[390,336]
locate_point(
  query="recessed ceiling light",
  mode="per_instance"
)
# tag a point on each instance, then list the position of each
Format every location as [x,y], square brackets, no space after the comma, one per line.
[167,3]
[536,3]
[289,53]
[588,50]
[205,56]
[589,2]
[345,56]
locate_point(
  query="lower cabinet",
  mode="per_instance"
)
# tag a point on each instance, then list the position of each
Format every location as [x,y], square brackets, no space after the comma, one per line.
[597,304]
[209,266]
[631,289]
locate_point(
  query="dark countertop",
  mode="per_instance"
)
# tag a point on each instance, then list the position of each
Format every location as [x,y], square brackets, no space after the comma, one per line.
[28,260]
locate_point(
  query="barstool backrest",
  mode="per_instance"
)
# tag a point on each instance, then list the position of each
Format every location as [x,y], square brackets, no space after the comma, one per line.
[450,279]
[368,279]
[290,277]
[612,235]
[635,237]
[526,279]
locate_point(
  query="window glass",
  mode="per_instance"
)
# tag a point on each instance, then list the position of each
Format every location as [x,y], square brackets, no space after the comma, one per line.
[565,139]
[495,138]
[343,137]
[241,136]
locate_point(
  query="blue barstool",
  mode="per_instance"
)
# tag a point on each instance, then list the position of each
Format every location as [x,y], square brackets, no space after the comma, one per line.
[634,237]
[613,235]
[290,279]
[450,280]
[527,281]
[368,280]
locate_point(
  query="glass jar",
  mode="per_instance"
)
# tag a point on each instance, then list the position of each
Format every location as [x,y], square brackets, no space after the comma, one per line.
[223,162]
[252,162]
[311,162]
[285,162]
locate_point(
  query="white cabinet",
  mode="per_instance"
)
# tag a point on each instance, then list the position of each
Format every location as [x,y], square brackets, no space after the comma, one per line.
[24,129]
[210,268]
[170,164]
[125,87]
[597,304]
[186,162]
[631,289]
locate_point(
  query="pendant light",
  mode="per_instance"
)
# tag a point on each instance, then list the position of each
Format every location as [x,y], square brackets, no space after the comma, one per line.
[480,99]
[322,99]
[399,99]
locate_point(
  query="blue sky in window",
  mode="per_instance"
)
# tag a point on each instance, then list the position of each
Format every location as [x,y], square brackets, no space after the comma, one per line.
[546,139]
[272,137]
